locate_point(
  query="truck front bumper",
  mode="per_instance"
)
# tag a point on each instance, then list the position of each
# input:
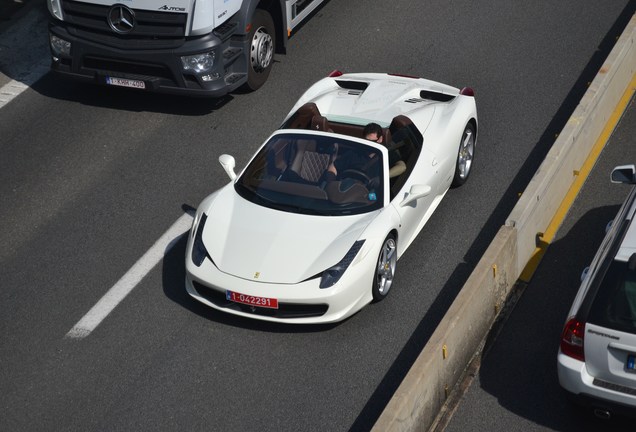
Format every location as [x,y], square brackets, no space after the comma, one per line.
[160,70]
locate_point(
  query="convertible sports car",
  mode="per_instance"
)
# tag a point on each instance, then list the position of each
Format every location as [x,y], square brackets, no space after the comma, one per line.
[311,230]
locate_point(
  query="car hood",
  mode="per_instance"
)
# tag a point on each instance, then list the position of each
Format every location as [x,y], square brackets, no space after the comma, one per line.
[257,243]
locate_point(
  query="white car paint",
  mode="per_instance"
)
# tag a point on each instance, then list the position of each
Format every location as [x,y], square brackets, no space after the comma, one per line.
[257,249]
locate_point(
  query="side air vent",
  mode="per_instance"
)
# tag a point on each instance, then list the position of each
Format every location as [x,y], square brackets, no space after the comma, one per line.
[415,100]
[439,97]
[353,85]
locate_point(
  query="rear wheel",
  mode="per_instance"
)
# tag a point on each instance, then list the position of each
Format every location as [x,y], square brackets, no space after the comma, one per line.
[465,156]
[385,269]
[262,38]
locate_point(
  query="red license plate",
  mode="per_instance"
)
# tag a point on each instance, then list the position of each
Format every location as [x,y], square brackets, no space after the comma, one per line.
[251,300]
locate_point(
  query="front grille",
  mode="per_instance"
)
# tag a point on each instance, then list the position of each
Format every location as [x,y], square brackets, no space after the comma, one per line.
[285,310]
[155,29]
[615,387]
[141,70]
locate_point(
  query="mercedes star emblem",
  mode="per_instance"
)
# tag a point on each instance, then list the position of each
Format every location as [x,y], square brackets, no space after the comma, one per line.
[121,19]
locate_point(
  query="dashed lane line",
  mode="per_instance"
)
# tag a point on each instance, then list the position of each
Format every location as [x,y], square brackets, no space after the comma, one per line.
[131,279]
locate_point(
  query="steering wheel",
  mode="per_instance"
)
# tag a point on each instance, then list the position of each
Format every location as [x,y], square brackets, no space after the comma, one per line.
[356,175]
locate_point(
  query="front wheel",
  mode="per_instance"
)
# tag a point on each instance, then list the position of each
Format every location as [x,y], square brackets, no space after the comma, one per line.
[385,269]
[262,38]
[465,156]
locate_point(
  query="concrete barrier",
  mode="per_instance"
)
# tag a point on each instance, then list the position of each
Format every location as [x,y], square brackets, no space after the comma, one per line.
[545,192]
[422,393]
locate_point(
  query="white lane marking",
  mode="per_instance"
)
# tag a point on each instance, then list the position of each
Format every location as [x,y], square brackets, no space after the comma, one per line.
[10,90]
[127,282]
[24,53]
[13,88]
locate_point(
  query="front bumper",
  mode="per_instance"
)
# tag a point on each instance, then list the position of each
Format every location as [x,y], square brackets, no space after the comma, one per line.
[302,303]
[160,69]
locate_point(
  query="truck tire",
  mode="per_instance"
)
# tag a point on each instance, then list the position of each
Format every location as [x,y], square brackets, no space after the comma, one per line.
[262,39]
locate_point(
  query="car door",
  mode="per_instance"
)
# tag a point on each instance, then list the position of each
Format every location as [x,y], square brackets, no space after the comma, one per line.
[417,198]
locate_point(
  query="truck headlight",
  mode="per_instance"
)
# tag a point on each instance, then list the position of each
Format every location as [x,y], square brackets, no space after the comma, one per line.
[55,7]
[59,46]
[198,63]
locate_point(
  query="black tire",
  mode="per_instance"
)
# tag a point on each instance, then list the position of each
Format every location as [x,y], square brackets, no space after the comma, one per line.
[465,156]
[385,269]
[262,39]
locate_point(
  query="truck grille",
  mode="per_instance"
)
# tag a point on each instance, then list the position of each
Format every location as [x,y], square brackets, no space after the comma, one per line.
[152,29]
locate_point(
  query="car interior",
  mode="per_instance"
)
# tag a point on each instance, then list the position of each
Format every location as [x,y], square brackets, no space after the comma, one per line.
[401,138]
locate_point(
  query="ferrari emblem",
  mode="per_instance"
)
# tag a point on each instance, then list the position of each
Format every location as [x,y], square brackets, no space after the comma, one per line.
[256,275]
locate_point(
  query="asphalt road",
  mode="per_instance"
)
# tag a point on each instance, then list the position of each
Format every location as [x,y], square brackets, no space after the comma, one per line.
[91,177]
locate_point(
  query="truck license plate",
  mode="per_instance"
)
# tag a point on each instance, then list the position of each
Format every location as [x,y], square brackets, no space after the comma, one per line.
[123,82]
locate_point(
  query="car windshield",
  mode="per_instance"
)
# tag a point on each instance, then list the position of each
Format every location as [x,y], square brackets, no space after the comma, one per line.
[314,174]
[614,306]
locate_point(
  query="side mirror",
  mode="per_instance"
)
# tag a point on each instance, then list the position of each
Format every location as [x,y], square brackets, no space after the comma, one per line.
[624,174]
[416,192]
[228,163]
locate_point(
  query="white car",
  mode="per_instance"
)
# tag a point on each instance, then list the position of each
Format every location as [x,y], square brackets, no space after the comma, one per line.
[596,362]
[311,229]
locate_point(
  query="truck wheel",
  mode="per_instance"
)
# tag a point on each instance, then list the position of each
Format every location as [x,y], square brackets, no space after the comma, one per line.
[262,38]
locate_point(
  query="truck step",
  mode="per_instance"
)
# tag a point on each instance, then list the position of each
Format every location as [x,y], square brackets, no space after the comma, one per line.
[230,53]
[226,30]
[234,77]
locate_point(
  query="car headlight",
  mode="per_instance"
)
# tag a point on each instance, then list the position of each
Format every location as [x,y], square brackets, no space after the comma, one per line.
[199,252]
[59,46]
[198,63]
[333,274]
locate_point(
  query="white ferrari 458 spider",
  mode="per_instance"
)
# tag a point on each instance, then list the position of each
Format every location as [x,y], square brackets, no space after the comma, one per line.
[311,229]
